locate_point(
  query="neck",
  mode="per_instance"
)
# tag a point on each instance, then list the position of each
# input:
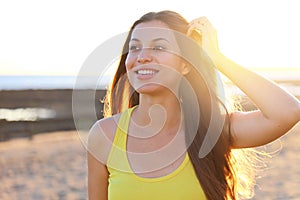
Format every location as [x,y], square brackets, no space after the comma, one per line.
[162,111]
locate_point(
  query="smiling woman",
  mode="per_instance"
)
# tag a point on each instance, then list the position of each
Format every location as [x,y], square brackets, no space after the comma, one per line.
[151,53]
[166,124]
[39,38]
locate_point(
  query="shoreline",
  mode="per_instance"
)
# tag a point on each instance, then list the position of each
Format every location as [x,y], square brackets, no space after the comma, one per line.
[59,103]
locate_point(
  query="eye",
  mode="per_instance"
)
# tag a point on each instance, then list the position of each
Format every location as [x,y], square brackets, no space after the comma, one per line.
[159,48]
[134,48]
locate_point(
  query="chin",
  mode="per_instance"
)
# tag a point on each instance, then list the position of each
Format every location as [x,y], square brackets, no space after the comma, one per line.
[150,88]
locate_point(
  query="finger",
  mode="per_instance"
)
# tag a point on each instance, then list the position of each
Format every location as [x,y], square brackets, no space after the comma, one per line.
[200,20]
[192,29]
[196,27]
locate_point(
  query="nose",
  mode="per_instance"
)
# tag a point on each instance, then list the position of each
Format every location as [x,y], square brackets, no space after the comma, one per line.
[144,56]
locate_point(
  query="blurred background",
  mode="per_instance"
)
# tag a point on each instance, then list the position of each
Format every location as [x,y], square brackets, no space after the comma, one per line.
[43,46]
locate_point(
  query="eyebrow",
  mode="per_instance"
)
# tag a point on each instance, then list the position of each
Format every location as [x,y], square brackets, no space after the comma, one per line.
[154,40]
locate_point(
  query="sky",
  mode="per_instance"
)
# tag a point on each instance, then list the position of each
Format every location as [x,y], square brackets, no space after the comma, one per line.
[39,37]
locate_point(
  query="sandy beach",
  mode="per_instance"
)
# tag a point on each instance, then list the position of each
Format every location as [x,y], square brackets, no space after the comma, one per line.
[49,166]
[53,166]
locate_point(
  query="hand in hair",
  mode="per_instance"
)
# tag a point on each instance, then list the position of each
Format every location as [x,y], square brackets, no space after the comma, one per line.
[205,34]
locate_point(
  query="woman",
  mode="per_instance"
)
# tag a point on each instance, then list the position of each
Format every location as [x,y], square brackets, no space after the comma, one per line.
[163,108]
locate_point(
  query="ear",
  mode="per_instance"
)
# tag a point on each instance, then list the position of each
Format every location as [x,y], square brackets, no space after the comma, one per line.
[185,69]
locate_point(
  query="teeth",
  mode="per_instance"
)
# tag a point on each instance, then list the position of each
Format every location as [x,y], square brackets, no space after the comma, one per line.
[145,72]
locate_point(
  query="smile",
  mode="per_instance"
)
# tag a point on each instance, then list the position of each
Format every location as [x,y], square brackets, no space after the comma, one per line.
[146,72]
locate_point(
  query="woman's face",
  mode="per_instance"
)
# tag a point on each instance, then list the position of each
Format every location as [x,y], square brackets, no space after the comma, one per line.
[153,60]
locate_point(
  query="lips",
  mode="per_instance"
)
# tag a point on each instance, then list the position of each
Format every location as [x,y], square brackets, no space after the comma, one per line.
[145,73]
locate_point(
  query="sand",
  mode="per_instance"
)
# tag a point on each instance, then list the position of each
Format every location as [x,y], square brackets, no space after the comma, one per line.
[50,166]
[53,166]
[281,178]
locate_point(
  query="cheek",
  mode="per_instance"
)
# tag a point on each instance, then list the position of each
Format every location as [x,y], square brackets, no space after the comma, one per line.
[129,62]
[175,62]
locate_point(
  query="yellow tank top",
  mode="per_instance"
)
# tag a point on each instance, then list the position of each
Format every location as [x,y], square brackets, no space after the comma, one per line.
[124,184]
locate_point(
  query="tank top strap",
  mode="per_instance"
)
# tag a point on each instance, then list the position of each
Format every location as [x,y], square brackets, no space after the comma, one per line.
[117,158]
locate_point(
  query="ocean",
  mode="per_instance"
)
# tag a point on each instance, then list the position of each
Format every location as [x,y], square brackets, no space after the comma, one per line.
[289,81]
[50,82]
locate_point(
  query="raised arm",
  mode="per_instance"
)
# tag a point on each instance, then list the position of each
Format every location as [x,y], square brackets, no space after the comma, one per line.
[278,110]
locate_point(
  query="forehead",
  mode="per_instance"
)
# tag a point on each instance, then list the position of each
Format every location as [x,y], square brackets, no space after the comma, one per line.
[152,30]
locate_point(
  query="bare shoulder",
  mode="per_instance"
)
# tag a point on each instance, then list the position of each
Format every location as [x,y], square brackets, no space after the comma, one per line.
[101,137]
[105,127]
